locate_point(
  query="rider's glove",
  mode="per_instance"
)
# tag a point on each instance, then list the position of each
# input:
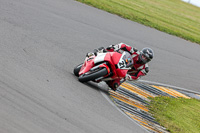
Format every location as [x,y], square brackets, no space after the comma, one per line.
[110,47]
[114,47]
[99,50]
[128,77]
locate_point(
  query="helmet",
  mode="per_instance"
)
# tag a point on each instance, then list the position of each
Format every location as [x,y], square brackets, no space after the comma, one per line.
[146,55]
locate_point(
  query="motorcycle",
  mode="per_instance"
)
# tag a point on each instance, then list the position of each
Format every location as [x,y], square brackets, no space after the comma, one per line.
[104,67]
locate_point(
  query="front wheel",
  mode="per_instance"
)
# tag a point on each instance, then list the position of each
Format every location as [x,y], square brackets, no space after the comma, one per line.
[93,75]
[77,69]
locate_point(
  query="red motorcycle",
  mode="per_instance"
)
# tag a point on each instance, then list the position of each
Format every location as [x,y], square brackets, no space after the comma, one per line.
[104,67]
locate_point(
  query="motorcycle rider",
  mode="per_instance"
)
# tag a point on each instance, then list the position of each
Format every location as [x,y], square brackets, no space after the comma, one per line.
[140,59]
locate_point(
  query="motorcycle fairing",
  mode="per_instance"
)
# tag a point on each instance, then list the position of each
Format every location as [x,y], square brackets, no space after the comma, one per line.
[88,64]
[99,58]
[122,61]
[119,63]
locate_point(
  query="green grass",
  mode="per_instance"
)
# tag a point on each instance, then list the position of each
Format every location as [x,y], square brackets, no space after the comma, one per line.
[178,115]
[171,16]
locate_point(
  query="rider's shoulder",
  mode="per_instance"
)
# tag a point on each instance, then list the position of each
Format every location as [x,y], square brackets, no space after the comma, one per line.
[122,44]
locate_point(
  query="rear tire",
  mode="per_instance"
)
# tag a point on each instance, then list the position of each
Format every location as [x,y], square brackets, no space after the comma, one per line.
[91,76]
[77,69]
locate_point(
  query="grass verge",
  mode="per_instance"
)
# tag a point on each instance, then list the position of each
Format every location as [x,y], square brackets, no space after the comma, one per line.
[171,16]
[178,115]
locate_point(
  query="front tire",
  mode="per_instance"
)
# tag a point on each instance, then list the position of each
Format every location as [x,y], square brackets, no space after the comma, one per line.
[77,69]
[94,75]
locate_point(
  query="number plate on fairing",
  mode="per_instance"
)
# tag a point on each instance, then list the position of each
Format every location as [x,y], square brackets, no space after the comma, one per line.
[125,61]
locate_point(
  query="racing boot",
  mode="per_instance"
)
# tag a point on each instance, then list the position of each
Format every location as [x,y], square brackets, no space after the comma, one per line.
[113,84]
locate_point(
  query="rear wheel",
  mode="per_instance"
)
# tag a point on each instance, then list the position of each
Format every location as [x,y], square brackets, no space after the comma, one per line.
[93,75]
[77,69]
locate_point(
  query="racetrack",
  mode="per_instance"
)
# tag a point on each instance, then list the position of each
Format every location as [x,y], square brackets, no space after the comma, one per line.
[42,40]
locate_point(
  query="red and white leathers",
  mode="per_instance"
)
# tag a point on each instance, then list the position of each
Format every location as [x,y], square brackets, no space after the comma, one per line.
[138,68]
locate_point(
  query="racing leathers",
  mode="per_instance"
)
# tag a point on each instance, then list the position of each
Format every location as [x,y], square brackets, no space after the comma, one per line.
[138,69]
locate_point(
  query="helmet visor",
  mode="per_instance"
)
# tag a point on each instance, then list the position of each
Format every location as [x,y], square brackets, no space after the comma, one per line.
[144,58]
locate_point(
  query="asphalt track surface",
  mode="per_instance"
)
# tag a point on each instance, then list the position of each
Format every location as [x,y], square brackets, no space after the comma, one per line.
[40,43]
